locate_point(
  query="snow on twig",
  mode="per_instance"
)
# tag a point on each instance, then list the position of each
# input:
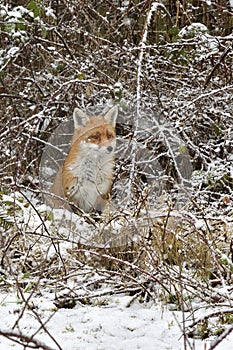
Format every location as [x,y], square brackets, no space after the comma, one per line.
[24,340]
[154,6]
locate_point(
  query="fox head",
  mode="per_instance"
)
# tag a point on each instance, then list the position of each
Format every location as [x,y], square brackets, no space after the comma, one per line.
[97,133]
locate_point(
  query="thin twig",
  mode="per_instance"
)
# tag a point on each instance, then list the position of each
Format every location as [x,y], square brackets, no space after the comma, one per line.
[221,337]
[24,340]
[221,58]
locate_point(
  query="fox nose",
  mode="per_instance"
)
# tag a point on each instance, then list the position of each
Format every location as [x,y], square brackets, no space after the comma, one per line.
[109,149]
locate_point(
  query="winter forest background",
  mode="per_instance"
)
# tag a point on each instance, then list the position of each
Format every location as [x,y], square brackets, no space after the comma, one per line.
[157,60]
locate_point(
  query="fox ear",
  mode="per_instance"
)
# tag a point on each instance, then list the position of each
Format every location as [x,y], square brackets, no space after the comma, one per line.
[80,118]
[111,115]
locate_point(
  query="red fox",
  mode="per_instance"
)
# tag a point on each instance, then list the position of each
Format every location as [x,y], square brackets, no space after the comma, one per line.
[86,176]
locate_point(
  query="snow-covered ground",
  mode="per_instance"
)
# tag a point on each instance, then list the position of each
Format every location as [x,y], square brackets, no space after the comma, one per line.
[108,320]
[113,326]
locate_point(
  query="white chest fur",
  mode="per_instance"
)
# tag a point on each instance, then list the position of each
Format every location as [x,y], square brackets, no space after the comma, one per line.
[93,169]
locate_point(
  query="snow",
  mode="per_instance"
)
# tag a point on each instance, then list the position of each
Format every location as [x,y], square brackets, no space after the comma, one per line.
[49,12]
[110,322]
[193,28]
[113,326]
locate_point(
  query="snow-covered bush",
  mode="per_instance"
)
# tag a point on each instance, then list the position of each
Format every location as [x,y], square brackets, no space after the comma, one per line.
[171,60]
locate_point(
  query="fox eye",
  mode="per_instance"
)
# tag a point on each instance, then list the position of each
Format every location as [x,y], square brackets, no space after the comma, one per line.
[110,136]
[93,137]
